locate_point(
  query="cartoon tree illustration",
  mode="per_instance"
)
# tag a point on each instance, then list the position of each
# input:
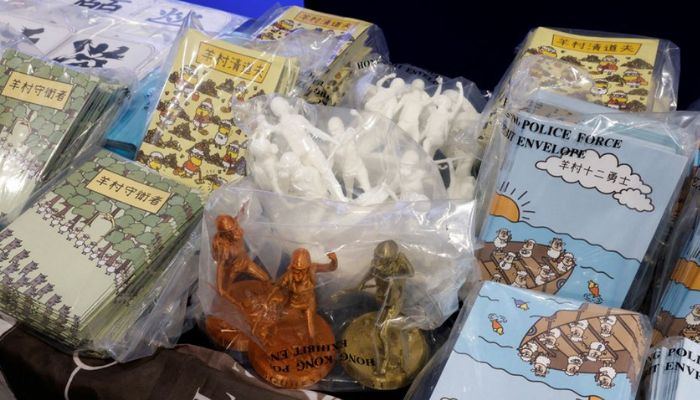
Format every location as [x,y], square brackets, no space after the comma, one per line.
[173,77]
[65,192]
[591,59]
[140,155]
[208,87]
[572,60]
[227,86]
[638,63]
[183,131]
[170,160]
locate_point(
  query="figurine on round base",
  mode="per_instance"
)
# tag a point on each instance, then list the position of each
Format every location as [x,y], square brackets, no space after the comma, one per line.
[380,352]
[225,336]
[247,296]
[408,352]
[298,345]
[291,359]
[232,262]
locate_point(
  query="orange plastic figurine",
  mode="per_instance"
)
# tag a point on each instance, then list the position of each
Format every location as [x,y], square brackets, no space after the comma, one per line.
[232,261]
[299,345]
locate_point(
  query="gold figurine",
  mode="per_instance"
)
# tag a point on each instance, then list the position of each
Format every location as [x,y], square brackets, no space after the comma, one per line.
[389,356]
[298,346]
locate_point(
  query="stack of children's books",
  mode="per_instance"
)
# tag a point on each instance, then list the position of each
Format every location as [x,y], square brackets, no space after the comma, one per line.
[47,114]
[88,248]
[192,136]
[352,37]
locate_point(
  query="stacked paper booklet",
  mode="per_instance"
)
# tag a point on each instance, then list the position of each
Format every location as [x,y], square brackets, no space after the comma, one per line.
[675,363]
[540,347]
[352,46]
[572,192]
[192,137]
[72,263]
[47,113]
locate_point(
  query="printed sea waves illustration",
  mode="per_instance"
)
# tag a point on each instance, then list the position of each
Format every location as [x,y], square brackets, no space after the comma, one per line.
[545,346]
[540,259]
[566,205]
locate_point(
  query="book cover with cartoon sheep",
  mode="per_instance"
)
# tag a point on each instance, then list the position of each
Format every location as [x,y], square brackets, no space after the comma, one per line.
[543,347]
[577,207]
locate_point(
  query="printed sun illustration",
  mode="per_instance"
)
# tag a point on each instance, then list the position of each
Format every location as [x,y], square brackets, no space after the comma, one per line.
[510,204]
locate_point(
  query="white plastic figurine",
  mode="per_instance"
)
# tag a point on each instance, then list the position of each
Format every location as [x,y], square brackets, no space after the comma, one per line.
[289,162]
[438,125]
[411,106]
[296,130]
[264,156]
[306,181]
[466,117]
[351,165]
[462,183]
[411,178]
[384,100]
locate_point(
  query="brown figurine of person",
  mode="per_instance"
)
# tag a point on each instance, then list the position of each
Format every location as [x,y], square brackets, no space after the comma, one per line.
[228,249]
[233,262]
[300,284]
[290,324]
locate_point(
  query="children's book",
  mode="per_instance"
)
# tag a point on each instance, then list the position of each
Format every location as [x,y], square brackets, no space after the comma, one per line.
[191,136]
[47,113]
[352,37]
[578,201]
[71,262]
[513,342]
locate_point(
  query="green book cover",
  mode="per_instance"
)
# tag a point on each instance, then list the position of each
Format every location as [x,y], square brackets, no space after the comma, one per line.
[90,238]
[46,113]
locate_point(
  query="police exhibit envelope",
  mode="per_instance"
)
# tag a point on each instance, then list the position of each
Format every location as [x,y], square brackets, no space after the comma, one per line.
[576,207]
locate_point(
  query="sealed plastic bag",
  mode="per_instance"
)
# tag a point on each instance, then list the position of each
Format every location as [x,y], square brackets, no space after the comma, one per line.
[676,311]
[160,14]
[440,114]
[353,41]
[316,290]
[41,28]
[510,341]
[86,251]
[157,316]
[627,72]
[573,199]
[319,152]
[48,114]
[191,136]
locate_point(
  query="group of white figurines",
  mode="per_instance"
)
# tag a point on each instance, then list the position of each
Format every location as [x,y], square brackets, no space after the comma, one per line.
[357,159]
[295,157]
[428,119]
[432,120]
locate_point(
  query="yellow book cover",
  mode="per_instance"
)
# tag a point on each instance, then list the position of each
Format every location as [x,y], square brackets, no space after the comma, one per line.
[347,30]
[192,137]
[622,68]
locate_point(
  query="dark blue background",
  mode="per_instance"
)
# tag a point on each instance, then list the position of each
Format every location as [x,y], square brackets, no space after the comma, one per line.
[248,8]
[476,40]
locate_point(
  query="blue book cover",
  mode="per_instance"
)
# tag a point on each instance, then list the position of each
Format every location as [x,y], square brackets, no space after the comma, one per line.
[514,343]
[577,206]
